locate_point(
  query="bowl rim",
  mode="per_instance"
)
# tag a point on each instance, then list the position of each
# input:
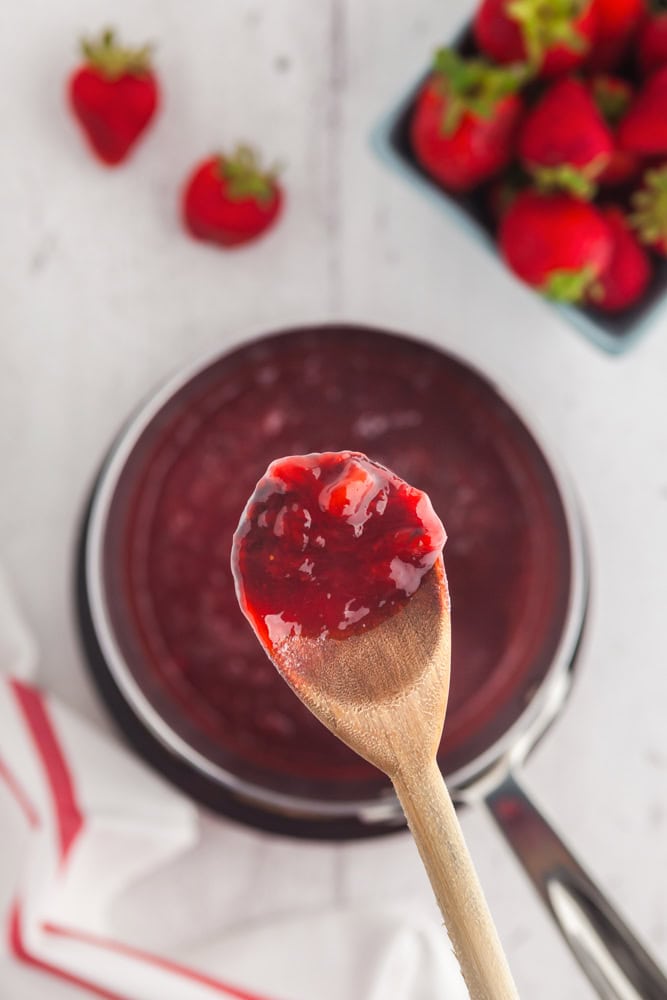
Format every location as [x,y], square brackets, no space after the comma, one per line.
[515,742]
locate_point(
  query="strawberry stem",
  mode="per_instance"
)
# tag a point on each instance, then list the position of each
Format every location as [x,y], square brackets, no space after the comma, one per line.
[565,177]
[545,23]
[649,217]
[112,59]
[473,85]
[244,176]
[569,286]
[612,98]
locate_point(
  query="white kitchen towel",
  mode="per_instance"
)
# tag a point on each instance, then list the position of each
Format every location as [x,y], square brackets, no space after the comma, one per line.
[83,822]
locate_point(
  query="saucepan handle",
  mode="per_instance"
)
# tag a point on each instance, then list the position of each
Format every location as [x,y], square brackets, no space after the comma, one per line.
[613,959]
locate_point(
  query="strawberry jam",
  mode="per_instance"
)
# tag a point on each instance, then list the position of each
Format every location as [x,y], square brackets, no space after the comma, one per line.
[418,411]
[329,545]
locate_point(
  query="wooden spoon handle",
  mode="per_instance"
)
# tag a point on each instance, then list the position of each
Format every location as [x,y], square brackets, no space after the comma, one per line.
[435,827]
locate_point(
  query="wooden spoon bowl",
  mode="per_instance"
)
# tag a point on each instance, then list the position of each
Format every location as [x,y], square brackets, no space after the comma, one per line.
[382,692]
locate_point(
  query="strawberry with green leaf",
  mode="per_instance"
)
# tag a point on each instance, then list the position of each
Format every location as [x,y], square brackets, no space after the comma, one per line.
[465,120]
[554,36]
[564,141]
[230,200]
[556,243]
[114,95]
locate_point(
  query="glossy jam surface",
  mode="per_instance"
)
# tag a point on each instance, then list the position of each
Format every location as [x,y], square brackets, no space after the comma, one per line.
[329,545]
[432,420]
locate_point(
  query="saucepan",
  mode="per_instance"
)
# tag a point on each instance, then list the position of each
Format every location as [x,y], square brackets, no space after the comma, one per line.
[183,676]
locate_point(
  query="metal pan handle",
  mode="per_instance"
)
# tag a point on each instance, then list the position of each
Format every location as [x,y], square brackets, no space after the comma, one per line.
[614,961]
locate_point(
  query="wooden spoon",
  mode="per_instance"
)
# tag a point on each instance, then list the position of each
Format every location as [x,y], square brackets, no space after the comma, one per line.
[384,693]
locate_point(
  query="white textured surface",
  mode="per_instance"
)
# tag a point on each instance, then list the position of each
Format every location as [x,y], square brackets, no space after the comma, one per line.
[102,296]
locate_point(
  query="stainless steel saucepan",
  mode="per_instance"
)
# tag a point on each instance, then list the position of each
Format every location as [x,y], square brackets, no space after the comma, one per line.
[341,367]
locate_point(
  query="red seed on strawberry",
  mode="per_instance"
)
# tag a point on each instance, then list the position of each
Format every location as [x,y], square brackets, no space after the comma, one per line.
[564,142]
[613,96]
[230,200]
[643,130]
[556,243]
[625,279]
[616,26]
[649,216]
[554,36]
[652,43]
[114,95]
[465,120]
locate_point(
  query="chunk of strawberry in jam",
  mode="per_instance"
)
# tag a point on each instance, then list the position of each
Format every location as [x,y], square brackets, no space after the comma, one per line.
[331,544]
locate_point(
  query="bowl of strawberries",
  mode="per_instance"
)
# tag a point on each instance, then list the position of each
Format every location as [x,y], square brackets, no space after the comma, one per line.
[543,129]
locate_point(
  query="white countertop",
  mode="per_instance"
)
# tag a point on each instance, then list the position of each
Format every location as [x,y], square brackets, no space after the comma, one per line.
[103,295]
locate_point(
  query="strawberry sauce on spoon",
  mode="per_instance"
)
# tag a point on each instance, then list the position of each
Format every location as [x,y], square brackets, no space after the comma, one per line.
[331,545]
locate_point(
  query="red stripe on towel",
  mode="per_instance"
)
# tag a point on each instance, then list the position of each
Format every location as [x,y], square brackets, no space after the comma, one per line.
[35,713]
[70,823]
[17,791]
[20,952]
[154,960]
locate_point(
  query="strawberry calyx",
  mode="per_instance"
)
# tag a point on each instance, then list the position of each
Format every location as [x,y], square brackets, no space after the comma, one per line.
[649,216]
[473,85]
[572,286]
[546,23]
[578,181]
[114,60]
[612,98]
[245,178]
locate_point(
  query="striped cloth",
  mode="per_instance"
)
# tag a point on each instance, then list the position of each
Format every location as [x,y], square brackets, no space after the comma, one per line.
[83,821]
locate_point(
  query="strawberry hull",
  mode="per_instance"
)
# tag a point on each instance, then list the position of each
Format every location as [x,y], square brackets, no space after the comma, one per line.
[556,243]
[613,333]
[475,151]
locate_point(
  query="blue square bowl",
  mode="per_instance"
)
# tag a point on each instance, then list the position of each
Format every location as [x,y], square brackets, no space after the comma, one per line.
[390,140]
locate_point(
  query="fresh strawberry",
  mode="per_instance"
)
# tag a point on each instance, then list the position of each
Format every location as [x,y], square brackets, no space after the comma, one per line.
[613,96]
[114,95]
[652,43]
[643,130]
[649,216]
[229,200]
[556,243]
[625,279]
[554,36]
[616,26]
[465,120]
[564,142]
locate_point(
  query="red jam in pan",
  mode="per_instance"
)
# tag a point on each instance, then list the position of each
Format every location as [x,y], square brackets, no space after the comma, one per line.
[433,420]
[330,545]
